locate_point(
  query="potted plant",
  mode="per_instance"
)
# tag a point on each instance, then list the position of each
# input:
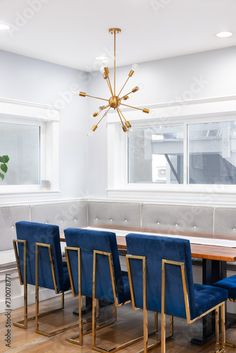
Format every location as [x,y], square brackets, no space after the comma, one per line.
[3,166]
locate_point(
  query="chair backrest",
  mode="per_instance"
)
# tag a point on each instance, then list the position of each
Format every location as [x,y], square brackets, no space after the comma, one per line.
[40,233]
[88,241]
[156,248]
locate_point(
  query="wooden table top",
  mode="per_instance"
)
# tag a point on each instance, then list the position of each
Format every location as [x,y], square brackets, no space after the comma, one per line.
[208,252]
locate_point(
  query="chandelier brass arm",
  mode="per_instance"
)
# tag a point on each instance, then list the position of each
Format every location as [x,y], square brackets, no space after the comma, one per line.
[94,127]
[116,100]
[144,110]
[134,90]
[127,123]
[130,74]
[101,108]
[107,78]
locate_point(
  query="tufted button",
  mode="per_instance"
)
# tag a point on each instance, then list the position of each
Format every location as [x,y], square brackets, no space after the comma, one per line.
[125,220]
[176,225]
[194,227]
[234,228]
[13,226]
[157,222]
[96,219]
[110,219]
[75,220]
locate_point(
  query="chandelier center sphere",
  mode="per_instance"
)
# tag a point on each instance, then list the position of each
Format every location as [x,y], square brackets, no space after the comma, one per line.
[114,102]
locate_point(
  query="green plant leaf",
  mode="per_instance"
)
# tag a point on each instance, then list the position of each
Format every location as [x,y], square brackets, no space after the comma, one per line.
[1,176]
[4,167]
[4,159]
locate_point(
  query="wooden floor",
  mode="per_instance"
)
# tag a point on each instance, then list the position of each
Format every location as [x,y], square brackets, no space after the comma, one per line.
[129,326]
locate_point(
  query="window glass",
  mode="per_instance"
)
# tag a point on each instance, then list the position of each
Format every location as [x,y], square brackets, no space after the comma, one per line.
[155,154]
[22,144]
[212,153]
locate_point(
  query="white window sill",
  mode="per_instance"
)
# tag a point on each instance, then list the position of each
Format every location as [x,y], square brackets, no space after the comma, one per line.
[25,189]
[177,194]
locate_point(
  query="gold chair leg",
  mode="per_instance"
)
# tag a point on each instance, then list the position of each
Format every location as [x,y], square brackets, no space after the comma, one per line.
[163,332]
[38,316]
[217,328]
[223,334]
[171,326]
[79,338]
[24,323]
[145,330]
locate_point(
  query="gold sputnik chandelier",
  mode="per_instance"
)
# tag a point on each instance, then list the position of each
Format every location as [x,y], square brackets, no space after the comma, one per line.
[116,100]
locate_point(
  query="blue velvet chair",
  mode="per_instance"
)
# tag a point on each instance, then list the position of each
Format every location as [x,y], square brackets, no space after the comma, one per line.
[161,280]
[229,283]
[95,272]
[39,263]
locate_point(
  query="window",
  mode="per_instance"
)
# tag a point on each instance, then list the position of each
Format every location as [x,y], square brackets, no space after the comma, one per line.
[182,152]
[29,136]
[212,153]
[155,154]
[22,144]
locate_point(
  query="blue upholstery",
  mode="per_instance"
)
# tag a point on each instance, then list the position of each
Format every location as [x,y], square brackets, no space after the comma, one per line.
[42,233]
[228,283]
[88,241]
[156,248]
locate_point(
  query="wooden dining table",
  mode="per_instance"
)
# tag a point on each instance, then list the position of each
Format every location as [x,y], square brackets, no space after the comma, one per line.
[214,259]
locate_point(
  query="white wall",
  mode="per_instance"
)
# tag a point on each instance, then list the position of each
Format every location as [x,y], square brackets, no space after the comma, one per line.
[83,159]
[203,75]
[37,81]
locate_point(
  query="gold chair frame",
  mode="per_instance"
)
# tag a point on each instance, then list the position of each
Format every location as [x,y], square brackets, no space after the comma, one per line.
[78,339]
[116,304]
[24,323]
[220,341]
[230,344]
[146,334]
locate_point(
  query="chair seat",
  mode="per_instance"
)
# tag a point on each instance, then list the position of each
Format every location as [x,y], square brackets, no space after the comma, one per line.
[206,297]
[228,283]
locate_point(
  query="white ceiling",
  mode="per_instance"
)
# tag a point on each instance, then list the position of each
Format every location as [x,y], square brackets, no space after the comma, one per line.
[74,32]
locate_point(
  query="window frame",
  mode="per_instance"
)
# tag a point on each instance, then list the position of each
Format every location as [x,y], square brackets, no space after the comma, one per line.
[192,111]
[47,118]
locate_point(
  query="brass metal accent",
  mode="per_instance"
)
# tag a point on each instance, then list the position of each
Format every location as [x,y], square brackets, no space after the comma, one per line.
[131,73]
[146,335]
[115,99]
[114,102]
[220,343]
[23,281]
[135,89]
[94,127]
[146,110]
[95,347]
[126,122]
[78,339]
[106,72]
[37,314]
